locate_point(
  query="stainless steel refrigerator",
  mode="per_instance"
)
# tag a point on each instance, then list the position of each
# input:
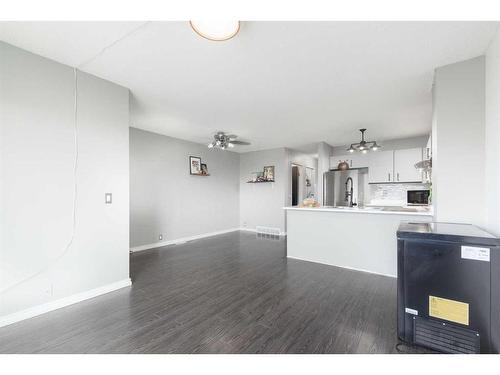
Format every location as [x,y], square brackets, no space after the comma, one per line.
[335,188]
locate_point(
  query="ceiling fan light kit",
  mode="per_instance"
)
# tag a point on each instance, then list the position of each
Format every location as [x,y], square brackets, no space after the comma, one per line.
[223,141]
[364,146]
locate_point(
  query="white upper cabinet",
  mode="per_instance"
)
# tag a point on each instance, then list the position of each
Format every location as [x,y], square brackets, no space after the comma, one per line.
[359,160]
[404,165]
[385,166]
[381,167]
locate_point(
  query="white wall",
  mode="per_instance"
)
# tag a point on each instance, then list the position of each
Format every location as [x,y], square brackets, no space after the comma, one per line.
[459,142]
[492,133]
[36,173]
[165,199]
[262,204]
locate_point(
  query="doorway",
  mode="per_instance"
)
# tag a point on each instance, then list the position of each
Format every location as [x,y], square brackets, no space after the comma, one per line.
[295,184]
[303,184]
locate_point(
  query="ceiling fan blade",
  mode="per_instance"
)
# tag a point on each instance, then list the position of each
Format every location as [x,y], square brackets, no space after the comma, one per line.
[232,136]
[241,143]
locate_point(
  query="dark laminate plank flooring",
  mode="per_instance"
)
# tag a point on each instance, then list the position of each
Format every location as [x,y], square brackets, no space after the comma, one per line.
[233,293]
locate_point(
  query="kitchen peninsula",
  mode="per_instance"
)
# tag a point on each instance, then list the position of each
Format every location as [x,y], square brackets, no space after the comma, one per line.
[357,238]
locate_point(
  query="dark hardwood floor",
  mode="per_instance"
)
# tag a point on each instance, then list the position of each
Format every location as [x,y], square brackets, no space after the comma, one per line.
[233,293]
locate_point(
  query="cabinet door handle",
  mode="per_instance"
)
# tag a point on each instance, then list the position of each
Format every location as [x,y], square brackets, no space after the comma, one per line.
[388,176]
[398,176]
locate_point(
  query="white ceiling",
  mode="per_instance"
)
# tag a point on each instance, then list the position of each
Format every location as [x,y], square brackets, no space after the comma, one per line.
[275,84]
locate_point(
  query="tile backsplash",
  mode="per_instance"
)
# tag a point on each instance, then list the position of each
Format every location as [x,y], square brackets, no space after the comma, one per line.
[392,194]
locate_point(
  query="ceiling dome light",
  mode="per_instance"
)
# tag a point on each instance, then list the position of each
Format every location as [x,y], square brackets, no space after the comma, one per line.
[216,30]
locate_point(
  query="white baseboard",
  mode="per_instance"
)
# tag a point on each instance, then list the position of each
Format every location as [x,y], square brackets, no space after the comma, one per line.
[181,240]
[63,302]
[348,268]
[253,230]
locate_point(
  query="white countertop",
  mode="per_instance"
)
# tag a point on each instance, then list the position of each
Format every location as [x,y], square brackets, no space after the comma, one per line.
[416,211]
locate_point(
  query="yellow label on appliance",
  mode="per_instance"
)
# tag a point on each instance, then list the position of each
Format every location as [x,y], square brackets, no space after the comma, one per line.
[448,309]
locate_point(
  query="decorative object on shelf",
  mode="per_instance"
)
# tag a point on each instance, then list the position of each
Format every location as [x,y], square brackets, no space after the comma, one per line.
[265,176]
[216,30]
[196,167]
[269,173]
[223,141]
[343,165]
[363,146]
[204,169]
[425,167]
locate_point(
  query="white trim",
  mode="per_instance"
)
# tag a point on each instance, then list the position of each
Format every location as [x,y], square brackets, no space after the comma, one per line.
[62,302]
[253,230]
[180,240]
[348,268]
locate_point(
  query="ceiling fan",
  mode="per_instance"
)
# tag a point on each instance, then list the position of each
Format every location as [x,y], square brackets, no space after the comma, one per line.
[222,141]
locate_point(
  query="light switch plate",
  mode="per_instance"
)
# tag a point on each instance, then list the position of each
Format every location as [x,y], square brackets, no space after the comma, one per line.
[108,198]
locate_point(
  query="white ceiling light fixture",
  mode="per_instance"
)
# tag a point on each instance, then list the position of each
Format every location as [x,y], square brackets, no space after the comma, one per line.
[216,30]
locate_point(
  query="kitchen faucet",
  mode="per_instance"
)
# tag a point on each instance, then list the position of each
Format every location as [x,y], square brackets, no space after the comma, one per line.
[348,193]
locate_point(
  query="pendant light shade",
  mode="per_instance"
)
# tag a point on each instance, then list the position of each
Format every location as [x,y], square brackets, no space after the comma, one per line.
[216,30]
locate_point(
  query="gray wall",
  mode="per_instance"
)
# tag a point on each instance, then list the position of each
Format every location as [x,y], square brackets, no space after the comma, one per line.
[262,204]
[458,142]
[166,199]
[37,181]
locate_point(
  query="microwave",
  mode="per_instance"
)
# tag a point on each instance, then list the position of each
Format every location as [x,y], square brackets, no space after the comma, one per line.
[417,197]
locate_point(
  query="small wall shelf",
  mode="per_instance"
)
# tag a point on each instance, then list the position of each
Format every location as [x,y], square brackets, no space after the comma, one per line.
[200,174]
[259,182]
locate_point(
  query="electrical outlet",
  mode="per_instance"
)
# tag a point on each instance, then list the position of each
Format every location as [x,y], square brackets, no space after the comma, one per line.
[160,237]
[108,198]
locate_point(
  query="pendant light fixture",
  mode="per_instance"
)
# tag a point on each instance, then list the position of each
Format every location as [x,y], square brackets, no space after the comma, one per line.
[216,30]
[363,146]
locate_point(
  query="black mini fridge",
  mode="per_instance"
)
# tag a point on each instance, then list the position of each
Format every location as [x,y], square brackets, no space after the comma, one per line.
[448,287]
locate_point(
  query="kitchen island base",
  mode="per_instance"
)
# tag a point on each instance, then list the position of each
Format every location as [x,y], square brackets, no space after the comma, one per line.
[364,241]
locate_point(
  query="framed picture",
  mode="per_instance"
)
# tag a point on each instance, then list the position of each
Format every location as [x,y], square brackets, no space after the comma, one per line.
[269,173]
[204,169]
[194,165]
